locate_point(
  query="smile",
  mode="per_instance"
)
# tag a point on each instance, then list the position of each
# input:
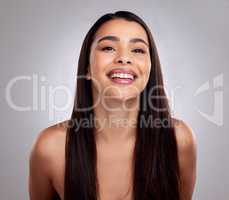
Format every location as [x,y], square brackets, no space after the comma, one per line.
[122,76]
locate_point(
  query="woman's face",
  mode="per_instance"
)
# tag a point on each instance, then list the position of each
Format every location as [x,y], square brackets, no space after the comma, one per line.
[119,45]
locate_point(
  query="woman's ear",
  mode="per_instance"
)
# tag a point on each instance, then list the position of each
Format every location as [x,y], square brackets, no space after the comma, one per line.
[88,75]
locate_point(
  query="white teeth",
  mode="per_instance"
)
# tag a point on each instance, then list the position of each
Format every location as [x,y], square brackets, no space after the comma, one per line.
[121,75]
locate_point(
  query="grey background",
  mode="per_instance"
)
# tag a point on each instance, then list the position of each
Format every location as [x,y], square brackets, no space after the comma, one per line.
[43,39]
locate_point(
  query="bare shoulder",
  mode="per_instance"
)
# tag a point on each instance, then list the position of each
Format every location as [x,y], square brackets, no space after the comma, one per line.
[187,154]
[50,139]
[46,161]
[185,135]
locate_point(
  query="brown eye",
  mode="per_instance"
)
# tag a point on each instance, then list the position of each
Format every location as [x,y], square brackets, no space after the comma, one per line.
[108,48]
[139,51]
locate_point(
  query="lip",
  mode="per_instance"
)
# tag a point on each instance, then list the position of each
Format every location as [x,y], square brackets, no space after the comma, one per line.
[124,71]
[122,81]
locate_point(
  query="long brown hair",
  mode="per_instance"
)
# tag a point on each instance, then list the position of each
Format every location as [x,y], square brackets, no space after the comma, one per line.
[155,165]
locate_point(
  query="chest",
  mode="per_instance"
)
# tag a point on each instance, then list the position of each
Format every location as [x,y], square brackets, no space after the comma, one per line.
[114,171]
[114,177]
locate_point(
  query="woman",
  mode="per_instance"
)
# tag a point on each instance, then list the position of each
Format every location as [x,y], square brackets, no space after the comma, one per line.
[117,153]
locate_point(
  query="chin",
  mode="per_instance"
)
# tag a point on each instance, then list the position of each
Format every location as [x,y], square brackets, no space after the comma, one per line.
[122,95]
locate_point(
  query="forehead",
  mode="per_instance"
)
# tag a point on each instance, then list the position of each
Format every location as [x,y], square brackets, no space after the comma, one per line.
[121,28]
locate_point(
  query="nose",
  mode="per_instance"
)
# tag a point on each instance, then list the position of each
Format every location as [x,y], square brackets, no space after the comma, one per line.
[123,59]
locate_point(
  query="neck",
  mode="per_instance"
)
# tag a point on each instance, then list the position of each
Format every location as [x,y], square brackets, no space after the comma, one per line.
[116,120]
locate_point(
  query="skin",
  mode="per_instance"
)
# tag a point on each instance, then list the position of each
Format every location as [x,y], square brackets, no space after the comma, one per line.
[108,54]
[115,150]
[114,143]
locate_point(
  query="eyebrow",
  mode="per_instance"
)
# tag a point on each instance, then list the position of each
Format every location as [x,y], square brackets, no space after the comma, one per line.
[116,39]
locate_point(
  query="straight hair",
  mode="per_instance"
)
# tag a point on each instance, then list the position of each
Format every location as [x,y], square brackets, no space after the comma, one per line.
[155,171]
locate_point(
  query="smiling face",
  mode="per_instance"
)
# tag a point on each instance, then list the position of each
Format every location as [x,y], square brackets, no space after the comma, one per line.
[119,44]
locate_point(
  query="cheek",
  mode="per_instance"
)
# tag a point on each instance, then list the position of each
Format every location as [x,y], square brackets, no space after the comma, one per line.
[148,64]
[145,65]
[146,68]
[99,62]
